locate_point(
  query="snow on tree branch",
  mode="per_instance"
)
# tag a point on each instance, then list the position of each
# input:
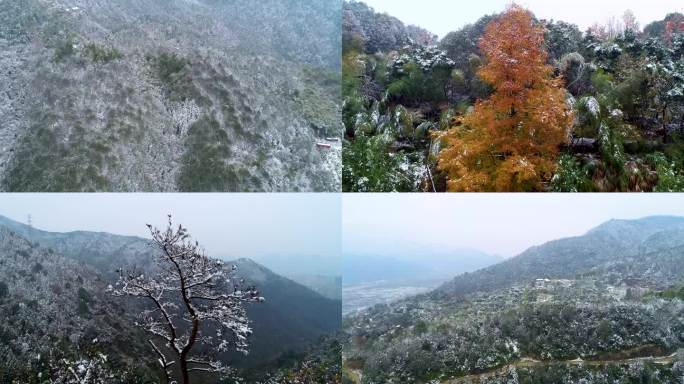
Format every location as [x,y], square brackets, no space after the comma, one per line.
[190,295]
[90,370]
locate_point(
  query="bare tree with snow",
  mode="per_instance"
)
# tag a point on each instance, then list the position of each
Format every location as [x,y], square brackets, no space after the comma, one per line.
[198,303]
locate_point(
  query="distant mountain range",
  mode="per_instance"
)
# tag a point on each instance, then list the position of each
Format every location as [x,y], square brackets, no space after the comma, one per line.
[298,264]
[428,262]
[322,274]
[648,246]
[73,269]
[606,306]
[328,286]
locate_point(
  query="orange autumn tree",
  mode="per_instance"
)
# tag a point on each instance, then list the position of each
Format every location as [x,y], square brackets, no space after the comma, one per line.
[511,140]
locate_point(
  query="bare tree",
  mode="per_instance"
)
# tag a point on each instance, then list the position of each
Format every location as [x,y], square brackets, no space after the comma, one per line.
[630,21]
[614,27]
[196,300]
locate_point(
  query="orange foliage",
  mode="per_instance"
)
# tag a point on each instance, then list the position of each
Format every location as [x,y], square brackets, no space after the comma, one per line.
[511,140]
[672,27]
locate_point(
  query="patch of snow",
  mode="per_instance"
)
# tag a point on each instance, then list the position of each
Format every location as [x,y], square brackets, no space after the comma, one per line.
[593,106]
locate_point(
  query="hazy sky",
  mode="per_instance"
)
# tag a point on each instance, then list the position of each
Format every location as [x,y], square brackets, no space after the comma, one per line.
[503,224]
[229,225]
[258,225]
[444,16]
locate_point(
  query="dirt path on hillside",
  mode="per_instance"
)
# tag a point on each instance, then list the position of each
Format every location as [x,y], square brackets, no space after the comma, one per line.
[527,362]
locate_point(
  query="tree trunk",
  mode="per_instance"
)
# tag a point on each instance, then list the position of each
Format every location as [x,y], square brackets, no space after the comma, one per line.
[184,353]
[184,370]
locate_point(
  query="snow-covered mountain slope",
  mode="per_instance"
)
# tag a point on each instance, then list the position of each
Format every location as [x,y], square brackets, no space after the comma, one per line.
[613,298]
[53,307]
[292,319]
[651,249]
[125,95]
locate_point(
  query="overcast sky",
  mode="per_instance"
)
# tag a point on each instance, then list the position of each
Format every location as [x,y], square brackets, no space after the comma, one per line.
[257,225]
[443,16]
[229,225]
[503,224]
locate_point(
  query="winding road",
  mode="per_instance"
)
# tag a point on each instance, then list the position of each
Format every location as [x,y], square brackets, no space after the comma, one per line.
[527,362]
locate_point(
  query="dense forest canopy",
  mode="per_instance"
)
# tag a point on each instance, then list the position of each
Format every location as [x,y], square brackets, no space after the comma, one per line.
[410,103]
[170,95]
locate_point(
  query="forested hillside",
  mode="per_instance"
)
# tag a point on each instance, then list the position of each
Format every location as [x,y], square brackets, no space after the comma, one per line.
[55,295]
[206,95]
[513,103]
[55,310]
[604,307]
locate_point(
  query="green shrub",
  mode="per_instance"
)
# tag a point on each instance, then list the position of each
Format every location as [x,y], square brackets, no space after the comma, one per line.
[612,149]
[64,49]
[602,82]
[84,299]
[174,72]
[414,86]
[351,83]
[368,166]
[675,150]
[571,176]
[351,72]
[318,100]
[420,327]
[673,293]
[629,93]
[458,77]
[205,166]
[670,178]
[403,120]
[98,54]
[4,289]
[170,65]
[37,268]
[408,87]
[588,114]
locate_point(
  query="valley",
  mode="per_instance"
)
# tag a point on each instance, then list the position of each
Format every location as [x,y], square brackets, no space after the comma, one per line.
[358,297]
[608,304]
[56,304]
[382,279]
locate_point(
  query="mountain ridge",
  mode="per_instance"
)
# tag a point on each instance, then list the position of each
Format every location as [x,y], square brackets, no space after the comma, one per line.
[588,308]
[52,238]
[285,323]
[603,242]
